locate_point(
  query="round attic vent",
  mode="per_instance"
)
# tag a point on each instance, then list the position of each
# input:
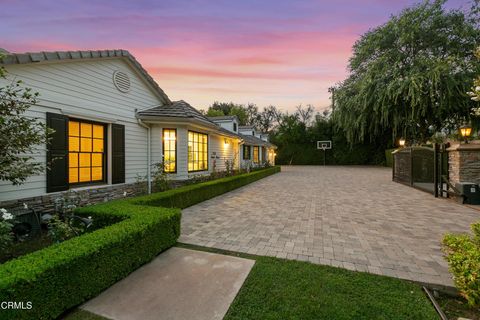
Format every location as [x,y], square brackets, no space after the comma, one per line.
[121,81]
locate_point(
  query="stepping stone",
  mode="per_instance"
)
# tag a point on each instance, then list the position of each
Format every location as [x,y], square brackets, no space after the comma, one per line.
[178,284]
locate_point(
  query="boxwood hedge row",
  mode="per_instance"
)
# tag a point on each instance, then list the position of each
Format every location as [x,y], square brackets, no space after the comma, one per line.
[192,194]
[65,275]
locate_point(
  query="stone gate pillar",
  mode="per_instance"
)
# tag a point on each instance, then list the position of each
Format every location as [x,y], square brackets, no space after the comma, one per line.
[464,163]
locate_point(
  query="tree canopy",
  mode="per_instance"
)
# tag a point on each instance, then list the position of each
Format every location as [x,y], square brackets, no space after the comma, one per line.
[410,76]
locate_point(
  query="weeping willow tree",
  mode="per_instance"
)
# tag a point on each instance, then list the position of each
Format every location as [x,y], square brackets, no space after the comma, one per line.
[410,76]
[475,93]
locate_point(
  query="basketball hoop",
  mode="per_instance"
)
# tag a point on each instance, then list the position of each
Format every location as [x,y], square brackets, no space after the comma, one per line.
[324,145]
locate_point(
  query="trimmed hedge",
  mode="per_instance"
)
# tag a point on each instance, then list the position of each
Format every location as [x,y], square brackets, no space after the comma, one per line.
[65,275]
[192,194]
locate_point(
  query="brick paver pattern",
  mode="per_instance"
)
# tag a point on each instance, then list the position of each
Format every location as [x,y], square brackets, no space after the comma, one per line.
[350,217]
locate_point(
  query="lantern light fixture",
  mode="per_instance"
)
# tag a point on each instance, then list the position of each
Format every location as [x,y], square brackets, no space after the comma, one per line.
[465,131]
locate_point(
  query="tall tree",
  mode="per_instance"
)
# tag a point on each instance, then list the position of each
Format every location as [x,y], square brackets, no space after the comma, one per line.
[269,118]
[20,134]
[305,114]
[475,93]
[228,109]
[410,76]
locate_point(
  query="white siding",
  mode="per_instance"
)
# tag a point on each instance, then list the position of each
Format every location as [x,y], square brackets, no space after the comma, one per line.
[248,132]
[182,149]
[216,145]
[84,89]
[224,151]
[227,124]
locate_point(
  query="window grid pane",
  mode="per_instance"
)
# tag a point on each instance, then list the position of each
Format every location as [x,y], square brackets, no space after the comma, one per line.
[246,152]
[255,155]
[197,151]
[86,152]
[170,150]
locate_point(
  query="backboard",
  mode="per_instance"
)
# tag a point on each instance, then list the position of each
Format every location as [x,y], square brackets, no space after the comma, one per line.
[324,145]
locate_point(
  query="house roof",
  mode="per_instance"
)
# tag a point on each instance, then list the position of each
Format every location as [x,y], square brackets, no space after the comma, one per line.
[254,141]
[35,57]
[228,132]
[175,109]
[223,118]
[246,127]
[183,110]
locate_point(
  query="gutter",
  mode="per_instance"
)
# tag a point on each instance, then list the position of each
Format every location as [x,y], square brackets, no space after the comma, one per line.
[149,151]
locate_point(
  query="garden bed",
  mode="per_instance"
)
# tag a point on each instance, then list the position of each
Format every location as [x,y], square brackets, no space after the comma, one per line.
[455,307]
[133,232]
[19,249]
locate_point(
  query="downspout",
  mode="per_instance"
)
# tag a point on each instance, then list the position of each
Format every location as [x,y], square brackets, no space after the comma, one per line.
[149,165]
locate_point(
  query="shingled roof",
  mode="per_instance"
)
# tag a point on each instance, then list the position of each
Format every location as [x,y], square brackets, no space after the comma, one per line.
[183,110]
[254,141]
[175,109]
[35,57]
[220,118]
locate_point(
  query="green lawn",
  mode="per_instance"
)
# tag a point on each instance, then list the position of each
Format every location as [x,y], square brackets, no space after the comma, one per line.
[80,314]
[285,289]
[282,289]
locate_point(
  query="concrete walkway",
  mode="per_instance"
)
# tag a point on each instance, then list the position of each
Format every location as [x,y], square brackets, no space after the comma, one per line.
[178,284]
[351,217]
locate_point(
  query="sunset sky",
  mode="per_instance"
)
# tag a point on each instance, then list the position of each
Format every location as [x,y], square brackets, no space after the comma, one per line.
[276,52]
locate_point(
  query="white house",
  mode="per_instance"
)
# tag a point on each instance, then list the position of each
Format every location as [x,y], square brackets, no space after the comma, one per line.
[112,123]
[255,149]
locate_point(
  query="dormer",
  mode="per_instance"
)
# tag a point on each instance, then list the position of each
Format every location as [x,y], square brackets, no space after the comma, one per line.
[265,137]
[247,130]
[229,123]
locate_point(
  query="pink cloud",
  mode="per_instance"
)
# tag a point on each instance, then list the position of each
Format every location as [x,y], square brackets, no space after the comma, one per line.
[212,73]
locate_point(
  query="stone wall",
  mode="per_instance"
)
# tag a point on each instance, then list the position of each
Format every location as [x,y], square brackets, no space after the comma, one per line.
[87,196]
[464,163]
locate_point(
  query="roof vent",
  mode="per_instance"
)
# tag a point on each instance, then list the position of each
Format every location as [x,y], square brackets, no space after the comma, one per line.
[121,81]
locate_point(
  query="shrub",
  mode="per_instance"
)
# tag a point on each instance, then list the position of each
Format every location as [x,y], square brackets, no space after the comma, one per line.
[192,194]
[6,225]
[134,231]
[389,157]
[463,255]
[63,275]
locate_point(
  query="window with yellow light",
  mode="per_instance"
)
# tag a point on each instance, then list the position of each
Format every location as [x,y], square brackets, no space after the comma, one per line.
[86,146]
[255,154]
[170,150]
[197,151]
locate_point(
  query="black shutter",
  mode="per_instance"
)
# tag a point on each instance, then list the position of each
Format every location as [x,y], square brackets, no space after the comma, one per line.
[118,153]
[57,153]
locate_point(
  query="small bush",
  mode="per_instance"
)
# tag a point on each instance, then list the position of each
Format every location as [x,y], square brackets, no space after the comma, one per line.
[129,233]
[463,255]
[389,157]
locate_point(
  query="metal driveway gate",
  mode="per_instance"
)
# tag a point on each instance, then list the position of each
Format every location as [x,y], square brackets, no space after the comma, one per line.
[422,167]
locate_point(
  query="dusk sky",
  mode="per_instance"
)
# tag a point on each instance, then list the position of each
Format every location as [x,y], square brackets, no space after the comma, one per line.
[276,52]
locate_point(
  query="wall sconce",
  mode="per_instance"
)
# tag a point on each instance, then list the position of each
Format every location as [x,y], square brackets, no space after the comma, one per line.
[401,142]
[225,142]
[466,131]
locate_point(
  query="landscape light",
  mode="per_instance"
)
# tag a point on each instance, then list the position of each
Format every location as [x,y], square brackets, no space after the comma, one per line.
[401,142]
[466,131]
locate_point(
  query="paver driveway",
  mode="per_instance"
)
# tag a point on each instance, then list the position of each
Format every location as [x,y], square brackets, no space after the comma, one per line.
[351,217]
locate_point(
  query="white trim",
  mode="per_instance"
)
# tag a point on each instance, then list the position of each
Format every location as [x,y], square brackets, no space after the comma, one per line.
[84,116]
